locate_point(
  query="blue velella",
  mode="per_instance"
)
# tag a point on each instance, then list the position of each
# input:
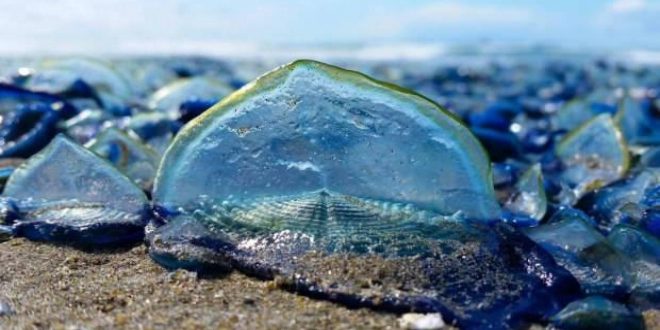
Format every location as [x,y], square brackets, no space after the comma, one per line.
[185,97]
[351,135]
[345,188]
[528,197]
[592,155]
[598,266]
[28,120]
[66,193]
[643,250]
[597,312]
[128,154]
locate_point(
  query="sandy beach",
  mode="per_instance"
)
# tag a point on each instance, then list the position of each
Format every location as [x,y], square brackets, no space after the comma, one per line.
[59,287]
[56,287]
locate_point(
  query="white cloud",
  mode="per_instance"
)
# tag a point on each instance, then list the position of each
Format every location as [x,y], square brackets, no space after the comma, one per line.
[447,14]
[633,23]
[395,27]
[627,6]
[114,26]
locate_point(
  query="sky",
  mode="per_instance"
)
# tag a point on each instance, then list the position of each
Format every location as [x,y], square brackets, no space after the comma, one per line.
[247,26]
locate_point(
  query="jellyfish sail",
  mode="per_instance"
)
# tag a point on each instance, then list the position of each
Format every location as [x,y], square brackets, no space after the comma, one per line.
[311,172]
[309,126]
[66,193]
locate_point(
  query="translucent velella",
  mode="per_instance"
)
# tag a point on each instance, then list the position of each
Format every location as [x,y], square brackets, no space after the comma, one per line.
[308,126]
[529,196]
[7,167]
[622,201]
[171,97]
[637,121]
[597,312]
[83,80]
[6,232]
[135,159]
[28,120]
[643,249]
[68,194]
[348,189]
[601,267]
[593,155]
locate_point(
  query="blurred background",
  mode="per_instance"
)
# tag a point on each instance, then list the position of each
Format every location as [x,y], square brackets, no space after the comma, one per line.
[521,74]
[379,30]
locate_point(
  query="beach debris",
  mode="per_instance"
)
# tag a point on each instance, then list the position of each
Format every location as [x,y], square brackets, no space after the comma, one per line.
[6,309]
[415,321]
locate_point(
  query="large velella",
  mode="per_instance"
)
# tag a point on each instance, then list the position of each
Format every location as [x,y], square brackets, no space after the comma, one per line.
[344,188]
[309,126]
[66,193]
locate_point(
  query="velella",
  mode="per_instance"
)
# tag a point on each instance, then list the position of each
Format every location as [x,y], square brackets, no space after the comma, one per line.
[7,168]
[55,76]
[156,129]
[529,197]
[599,267]
[340,187]
[285,197]
[312,147]
[597,312]
[28,120]
[103,85]
[65,193]
[171,97]
[593,155]
[622,201]
[6,233]
[643,250]
[571,115]
[13,97]
[25,131]
[651,203]
[132,157]
[637,122]
[86,125]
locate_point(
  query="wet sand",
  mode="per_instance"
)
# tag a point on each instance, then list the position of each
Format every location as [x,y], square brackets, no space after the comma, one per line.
[58,287]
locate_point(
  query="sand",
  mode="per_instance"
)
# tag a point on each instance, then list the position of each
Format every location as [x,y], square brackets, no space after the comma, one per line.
[58,287]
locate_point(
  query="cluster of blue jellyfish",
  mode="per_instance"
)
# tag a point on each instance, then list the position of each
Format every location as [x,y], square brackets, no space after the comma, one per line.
[532,195]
